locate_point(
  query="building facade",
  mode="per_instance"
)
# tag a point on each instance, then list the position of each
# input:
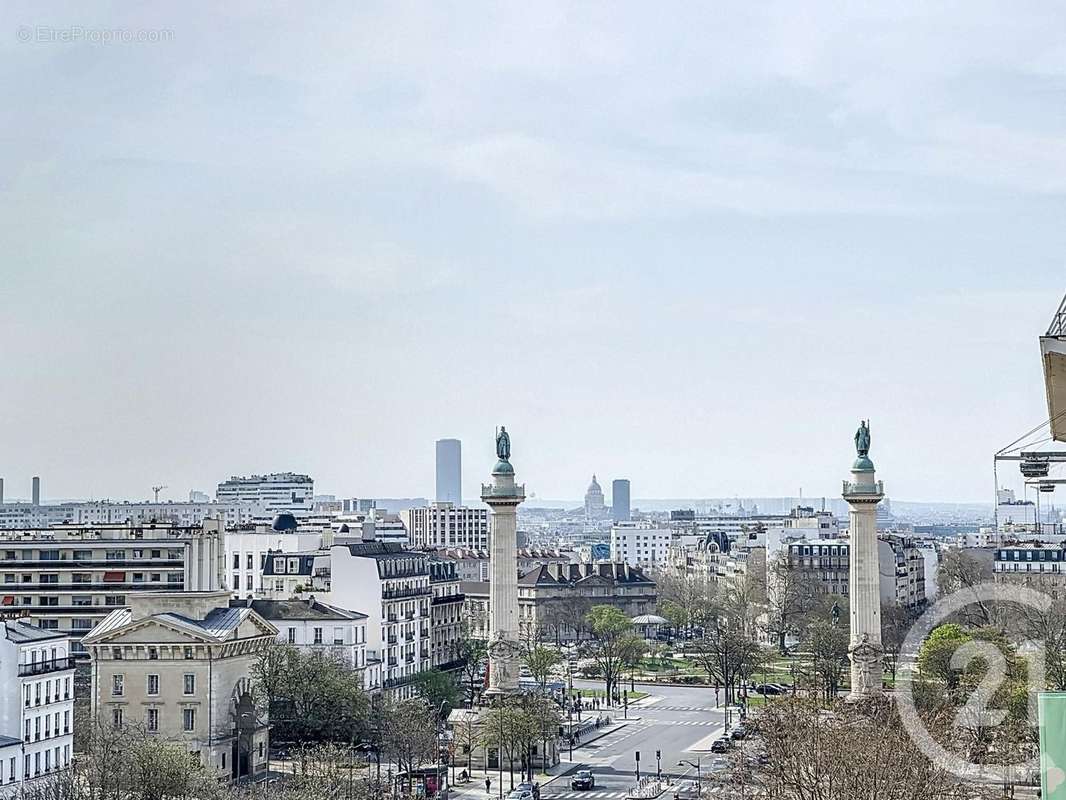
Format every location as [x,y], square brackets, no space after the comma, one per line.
[553,599]
[180,665]
[640,544]
[443,525]
[450,471]
[391,586]
[273,494]
[446,615]
[314,626]
[620,501]
[70,577]
[36,705]
[247,551]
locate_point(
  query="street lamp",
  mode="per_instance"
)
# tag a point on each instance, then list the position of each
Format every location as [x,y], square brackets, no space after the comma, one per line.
[570,729]
[440,726]
[699,774]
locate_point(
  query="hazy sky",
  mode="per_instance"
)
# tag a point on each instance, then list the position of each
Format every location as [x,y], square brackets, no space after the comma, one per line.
[689,244]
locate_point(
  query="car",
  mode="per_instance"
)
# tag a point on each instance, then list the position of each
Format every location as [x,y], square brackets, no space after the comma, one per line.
[769,689]
[687,790]
[584,779]
[532,787]
[721,745]
[740,732]
[520,794]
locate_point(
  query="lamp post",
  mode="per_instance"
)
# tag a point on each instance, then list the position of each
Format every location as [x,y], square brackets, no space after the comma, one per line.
[440,727]
[625,711]
[570,730]
[699,773]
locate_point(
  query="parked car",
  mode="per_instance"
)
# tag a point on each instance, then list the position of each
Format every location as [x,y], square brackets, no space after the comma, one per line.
[584,779]
[721,745]
[520,794]
[768,689]
[532,787]
[687,790]
[740,732]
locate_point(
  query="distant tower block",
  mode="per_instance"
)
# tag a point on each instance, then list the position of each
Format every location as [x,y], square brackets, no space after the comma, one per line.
[1,491]
[503,496]
[862,494]
[620,508]
[450,471]
[36,490]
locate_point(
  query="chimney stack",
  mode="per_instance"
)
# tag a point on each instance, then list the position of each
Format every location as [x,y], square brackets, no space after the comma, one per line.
[36,490]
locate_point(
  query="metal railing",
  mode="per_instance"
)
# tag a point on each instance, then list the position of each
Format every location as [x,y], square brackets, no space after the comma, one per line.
[42,667]
[878,487]
[1058,322]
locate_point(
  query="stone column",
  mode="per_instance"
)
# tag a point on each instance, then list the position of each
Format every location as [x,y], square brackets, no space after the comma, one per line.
[503,497]
[863,493]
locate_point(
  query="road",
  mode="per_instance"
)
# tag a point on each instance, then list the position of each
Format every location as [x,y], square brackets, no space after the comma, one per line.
[679,721]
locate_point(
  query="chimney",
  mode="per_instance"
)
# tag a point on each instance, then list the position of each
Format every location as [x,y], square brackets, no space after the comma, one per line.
[310,601]
[36,490]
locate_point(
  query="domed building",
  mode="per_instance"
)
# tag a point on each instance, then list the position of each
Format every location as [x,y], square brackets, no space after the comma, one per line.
[594,505]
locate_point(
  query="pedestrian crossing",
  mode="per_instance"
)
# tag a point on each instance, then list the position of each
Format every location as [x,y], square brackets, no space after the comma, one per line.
[657,708]
[583,795]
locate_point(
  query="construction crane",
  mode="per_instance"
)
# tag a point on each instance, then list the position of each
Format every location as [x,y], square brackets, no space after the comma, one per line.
[157,490]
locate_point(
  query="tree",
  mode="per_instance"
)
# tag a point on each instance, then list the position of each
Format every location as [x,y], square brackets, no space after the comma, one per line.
[541,662]
[411,735]
[475,654]
[839,753]
[788,597]
[896,621]
[612,642]
[938,650]
[312,696]
[962,570]
[729,649]
[828,647]
[502,728]
[437,688]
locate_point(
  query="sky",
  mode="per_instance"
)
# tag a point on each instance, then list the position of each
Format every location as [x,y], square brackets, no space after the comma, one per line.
[689,244]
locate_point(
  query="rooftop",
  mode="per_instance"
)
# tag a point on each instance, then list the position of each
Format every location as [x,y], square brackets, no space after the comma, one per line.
[309,609]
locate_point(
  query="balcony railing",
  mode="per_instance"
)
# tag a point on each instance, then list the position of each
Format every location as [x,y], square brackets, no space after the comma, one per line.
[41,667]
[449,598]
[876,488]
[411,591]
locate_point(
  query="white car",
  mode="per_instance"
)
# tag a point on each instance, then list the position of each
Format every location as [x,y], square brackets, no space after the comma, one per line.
[520,794]
[687,790]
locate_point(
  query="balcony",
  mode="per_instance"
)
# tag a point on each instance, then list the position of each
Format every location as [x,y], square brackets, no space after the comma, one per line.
[449,598]
[392,640]
[861,490]
[42,667]
[412,591]
[408,637]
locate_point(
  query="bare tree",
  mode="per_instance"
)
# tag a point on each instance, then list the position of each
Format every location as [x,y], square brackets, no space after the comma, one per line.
[964,571]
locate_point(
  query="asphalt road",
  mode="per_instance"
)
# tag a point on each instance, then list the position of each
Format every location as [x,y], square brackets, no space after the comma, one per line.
[680,722]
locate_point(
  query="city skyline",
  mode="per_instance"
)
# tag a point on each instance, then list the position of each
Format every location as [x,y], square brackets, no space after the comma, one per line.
[693,252]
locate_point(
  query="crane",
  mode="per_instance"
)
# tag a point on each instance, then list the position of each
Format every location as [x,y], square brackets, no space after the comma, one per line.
[157,490]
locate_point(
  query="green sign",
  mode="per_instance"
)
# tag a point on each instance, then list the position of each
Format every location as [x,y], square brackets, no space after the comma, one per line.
[1052,710]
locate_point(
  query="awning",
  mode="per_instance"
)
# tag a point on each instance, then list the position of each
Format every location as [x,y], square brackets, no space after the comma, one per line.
[114,577]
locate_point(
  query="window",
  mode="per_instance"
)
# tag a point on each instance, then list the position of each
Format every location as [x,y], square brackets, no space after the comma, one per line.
[153,684]
[116,717]
[115,555]
[236,560]
[66,722]
[81,600]
[153,720]
[116,653]
[188,719]
[338,635]
[117,685]
[250,562]
[188,653]
[153,654]
[292,635]
[188,683]
[318,636]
